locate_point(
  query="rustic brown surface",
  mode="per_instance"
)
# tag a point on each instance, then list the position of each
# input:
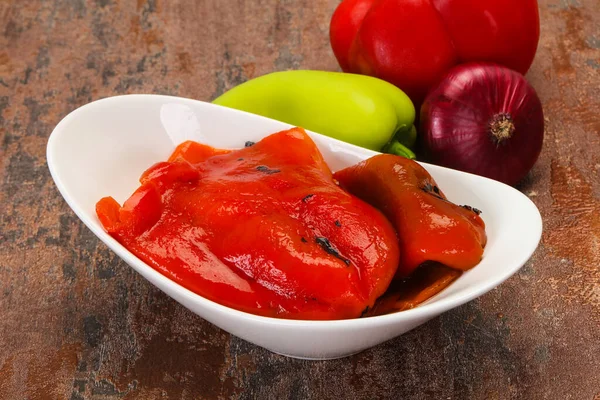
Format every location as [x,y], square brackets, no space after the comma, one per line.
[75,322]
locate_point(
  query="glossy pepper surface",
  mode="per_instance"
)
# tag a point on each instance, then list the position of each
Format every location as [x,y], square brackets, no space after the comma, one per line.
[412,43]
[264,229]
[430,228]
[357,109]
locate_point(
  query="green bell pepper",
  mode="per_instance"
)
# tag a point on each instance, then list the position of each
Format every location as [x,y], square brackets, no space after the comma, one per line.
[357,109]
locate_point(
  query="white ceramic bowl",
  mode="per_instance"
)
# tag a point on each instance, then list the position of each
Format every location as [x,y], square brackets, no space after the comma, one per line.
[102,148]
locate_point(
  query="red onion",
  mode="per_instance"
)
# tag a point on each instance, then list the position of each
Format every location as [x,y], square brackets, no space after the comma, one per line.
[483,119]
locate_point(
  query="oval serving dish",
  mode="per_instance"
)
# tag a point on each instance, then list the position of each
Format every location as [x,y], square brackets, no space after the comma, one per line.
[102,148]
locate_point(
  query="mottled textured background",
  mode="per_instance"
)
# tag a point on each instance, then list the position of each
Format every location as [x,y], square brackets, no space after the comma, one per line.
[77,323]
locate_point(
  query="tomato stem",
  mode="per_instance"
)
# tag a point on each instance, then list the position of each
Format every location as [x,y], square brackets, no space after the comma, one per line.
[501,127]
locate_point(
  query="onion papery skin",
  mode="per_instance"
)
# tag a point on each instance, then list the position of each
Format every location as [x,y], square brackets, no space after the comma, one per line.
[457,114]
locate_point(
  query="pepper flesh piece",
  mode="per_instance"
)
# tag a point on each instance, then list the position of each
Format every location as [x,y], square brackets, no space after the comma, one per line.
[264,229]
[430,228]
[425,282]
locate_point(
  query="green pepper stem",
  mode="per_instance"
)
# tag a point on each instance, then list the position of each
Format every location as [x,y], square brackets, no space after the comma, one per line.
[397,148]
[406,135]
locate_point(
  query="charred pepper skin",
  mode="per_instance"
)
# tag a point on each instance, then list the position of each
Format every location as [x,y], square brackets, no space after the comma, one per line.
[430,228]
[264,229]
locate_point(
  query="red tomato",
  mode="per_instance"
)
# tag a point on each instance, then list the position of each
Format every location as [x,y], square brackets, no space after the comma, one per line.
[412,43]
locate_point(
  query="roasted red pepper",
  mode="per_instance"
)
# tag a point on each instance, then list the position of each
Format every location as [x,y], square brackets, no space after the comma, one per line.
[430,228]
[264,229]
[425,282]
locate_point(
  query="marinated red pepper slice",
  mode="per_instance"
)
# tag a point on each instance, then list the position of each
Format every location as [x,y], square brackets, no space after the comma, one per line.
[430,228]
[425,282]
[264,229]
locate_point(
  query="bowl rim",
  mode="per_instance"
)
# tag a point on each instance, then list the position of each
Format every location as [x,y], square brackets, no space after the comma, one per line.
[424,311]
